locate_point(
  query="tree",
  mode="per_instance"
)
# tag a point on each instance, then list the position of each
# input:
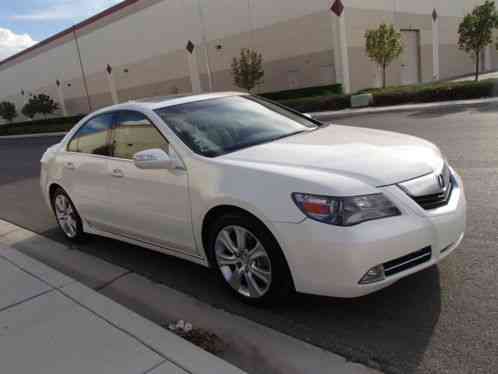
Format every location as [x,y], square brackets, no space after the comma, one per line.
[44,104]
[29,110]
[383,46]
[247,70]
[8,111]
[476,31]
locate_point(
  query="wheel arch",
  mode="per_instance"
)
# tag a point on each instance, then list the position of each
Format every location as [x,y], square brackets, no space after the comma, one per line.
[218,211]
[52,188]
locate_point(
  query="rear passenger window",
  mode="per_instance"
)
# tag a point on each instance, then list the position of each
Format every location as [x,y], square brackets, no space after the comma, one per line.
[134,133]
[93,137]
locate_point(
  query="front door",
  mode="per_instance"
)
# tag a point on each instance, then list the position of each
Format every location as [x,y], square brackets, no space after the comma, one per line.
[84,168]
[152,206]
[410,68]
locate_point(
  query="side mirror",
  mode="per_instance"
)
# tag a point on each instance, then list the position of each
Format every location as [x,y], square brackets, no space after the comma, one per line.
[153,159]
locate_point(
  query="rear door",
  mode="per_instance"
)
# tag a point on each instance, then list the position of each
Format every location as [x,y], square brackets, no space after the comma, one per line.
[148,205]
[85,172]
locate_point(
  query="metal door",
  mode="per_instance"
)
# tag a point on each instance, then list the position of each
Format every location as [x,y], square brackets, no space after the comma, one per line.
[410,58]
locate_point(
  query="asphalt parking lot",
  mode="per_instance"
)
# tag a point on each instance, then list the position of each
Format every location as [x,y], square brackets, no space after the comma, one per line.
[442,320]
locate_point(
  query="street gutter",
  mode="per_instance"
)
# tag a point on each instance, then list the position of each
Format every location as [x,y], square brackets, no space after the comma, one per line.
[252,347]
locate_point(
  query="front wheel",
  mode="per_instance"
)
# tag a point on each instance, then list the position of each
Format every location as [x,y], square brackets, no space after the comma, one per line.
[249,259]
[67,216]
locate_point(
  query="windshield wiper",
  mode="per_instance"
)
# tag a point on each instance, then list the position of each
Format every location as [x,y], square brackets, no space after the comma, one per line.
[239,147]
[287,135]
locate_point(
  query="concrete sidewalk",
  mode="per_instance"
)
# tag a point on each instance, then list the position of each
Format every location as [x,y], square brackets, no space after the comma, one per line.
[50,323]
[253,347]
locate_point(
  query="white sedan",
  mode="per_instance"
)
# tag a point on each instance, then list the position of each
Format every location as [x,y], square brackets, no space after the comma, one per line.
[274,201]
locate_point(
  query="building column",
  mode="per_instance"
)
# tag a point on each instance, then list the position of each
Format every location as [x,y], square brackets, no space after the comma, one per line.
[193,66]
[341,55]
[112,85]
[205,46]
[487,58]
[435,46]
[62,100]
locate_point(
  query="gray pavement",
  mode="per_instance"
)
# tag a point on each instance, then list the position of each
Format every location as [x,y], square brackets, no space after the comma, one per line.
[247,345]
[52,324]
[443,320]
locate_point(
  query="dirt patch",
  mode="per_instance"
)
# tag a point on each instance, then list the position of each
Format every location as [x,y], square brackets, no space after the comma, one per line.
[200,337]
[204,339]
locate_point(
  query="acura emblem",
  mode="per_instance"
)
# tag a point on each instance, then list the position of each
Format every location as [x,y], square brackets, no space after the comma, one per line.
[440,180]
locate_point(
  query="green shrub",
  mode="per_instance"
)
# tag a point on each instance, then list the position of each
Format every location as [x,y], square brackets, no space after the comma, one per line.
[39,104]
[58,124]
[435,92]
[318,103]
[334,89]
[8,111]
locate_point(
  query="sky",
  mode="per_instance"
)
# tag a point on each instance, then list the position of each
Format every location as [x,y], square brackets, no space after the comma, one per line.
[23,23]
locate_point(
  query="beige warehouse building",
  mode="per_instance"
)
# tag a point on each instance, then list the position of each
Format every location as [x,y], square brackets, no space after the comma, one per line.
[138,48]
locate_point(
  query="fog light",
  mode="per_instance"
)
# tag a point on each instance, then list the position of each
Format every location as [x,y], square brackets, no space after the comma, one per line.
[375,274]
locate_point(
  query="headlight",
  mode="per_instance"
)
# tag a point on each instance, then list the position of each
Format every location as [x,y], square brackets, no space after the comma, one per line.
[345,211]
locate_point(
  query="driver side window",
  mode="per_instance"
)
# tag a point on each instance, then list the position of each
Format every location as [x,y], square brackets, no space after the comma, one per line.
[133,133]
[93,137]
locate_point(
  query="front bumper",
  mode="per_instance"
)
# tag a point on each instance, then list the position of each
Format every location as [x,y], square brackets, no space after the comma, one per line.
[330,260]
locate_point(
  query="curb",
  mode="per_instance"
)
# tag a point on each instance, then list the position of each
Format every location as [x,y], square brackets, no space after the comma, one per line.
[142,302]
[40,135]
[177,352]
[403,108]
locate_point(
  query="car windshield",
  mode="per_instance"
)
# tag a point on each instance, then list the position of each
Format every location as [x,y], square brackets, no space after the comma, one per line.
[218,126]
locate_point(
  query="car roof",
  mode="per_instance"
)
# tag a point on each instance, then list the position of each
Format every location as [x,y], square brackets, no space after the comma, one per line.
[166,101]
[159,102]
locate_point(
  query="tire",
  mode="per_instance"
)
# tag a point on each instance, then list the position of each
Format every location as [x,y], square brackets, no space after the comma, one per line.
[67,216]
[246,275]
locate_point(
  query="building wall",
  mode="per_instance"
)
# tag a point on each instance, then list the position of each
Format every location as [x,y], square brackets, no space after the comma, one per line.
[144,43]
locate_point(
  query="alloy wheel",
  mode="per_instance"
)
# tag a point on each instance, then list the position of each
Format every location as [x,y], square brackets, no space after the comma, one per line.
[66,216]
[243,261]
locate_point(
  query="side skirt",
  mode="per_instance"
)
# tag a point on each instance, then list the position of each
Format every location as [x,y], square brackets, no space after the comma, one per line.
[168,251]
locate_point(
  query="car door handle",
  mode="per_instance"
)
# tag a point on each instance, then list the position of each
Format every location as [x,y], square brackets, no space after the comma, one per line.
[117,173]
[69,165]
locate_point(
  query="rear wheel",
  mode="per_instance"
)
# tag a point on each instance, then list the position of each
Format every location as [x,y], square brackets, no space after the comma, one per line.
[67,216]
[249,260]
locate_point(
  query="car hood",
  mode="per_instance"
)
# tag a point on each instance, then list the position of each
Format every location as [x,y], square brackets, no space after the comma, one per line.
[377,157]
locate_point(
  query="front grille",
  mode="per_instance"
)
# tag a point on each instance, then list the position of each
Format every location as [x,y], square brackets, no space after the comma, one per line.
[406,262]
[429,202]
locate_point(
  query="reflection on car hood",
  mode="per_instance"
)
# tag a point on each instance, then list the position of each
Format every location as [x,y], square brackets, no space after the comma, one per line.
[374,156]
